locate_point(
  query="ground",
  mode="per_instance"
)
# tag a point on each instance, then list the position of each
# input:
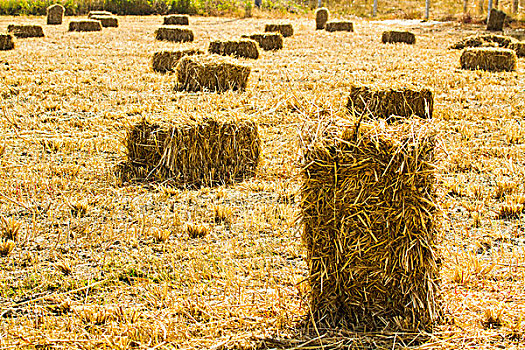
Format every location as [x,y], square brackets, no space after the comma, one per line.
[104,264]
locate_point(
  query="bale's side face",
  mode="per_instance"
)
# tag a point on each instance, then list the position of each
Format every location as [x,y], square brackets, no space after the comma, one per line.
[7,42]
[25,31]
[393,36]
[339,26]
[174,34]
[246,48]
[107,21]
[165,61]
[272,41]
[321,17]
[286,30]
[181,20]
[519,48]
[55,14]
[490,59]
[87,25]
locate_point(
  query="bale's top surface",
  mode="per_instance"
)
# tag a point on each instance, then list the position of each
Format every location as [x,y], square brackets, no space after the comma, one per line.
[99,13]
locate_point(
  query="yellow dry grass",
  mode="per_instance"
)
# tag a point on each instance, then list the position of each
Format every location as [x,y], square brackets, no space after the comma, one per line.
[101,264]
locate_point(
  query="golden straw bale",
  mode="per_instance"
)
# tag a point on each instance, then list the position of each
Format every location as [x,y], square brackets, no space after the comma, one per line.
[370,226]
[489,58]
[173,33]
[211,73]
[483,40]
[181,20]
[286,30]
[25,30]
[165,61]
[267,41]
[339,26]
[191,152]
[55,14]
[7,42]
[391,103]
[321,17]
[99,13]
[396,36]
[106,21]
[519,48]
[245,48]
[85,25]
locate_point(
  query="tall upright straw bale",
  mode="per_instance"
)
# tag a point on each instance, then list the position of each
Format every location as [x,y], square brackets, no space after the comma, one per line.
[25,30]
[7,42]
[106,21]
[286,30]
[199,152]
[85,25]
[321,17]
[489,59]
[396,36]
[370,226]
[55,14]
[246,48]
[166,61]
[496,20]
[391,103]
[211,73]
[519,48]
[181,20]
[339,26]
[99,13]
[175,34]
[267,41]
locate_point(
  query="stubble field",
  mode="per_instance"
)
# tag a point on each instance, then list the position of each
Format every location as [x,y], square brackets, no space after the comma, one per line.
[98,263]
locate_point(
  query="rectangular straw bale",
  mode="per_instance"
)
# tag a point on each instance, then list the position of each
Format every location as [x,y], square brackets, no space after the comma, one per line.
[211,73]
[107,21]
[519,48]
[7,42]
[192,152]
[174,34]
[267,41]
[286,30]
[181,20]
[390,103]
[245,48]
[25,30]
[489,59]
[339,26]
[370,226]
[396,36]
[85,25]
[165,61]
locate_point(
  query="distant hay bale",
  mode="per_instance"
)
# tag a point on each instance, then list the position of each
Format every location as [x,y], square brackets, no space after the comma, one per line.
[175,34]
[391,103]
[395,36]
[268,41]
[489,59]
[55,14]
[25,30]
[321,17]
[246,48]
[339,26]
[211,73]
[7,42]
[519,48]
[99,13]
[181,20]
[165,61]
[370,227]
[190,153]
[85,25]
[286,30]
[483,40]
[107,21]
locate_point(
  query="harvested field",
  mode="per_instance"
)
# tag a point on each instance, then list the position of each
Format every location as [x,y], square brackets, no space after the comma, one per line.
[88,261]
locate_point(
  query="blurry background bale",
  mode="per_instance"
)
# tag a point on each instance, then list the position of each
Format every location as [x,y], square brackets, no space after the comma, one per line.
[519,48]
[55,14]
[99,13]
[339,26]
[106,21]
[394,36]
[483,41]
[25,30]
[165,61]
[286,30]
[496,20]
[211,73]
[246,48]
[267,41]
[488,58]
[321,17]
[175,34]
[85,25]
[182,20]
[192,153]
[391,102]
[7,42]
[516,33]
[370,226]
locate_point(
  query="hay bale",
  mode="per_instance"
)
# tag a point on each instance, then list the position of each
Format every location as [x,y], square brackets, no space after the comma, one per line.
[25,30]
[191,153]
[321,17]
[107,21]
[370,226]
[269,41]
[395,36]
[99,13]
[496,20]
[211,73]
[246,48]
[85,25]
[339,26]
[181,20]
[483,40]
[7,42]
[489,58]
[518,33]
[175,34]
[55,14]
[165,61]
[519,48]
[391,103]
[286,30]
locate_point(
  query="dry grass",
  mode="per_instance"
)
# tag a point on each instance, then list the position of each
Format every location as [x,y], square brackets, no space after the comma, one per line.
[241,285]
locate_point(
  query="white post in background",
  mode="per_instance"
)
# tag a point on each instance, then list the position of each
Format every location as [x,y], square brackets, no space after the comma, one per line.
[374,11]
[319,3]
[489,9]
[427,9]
